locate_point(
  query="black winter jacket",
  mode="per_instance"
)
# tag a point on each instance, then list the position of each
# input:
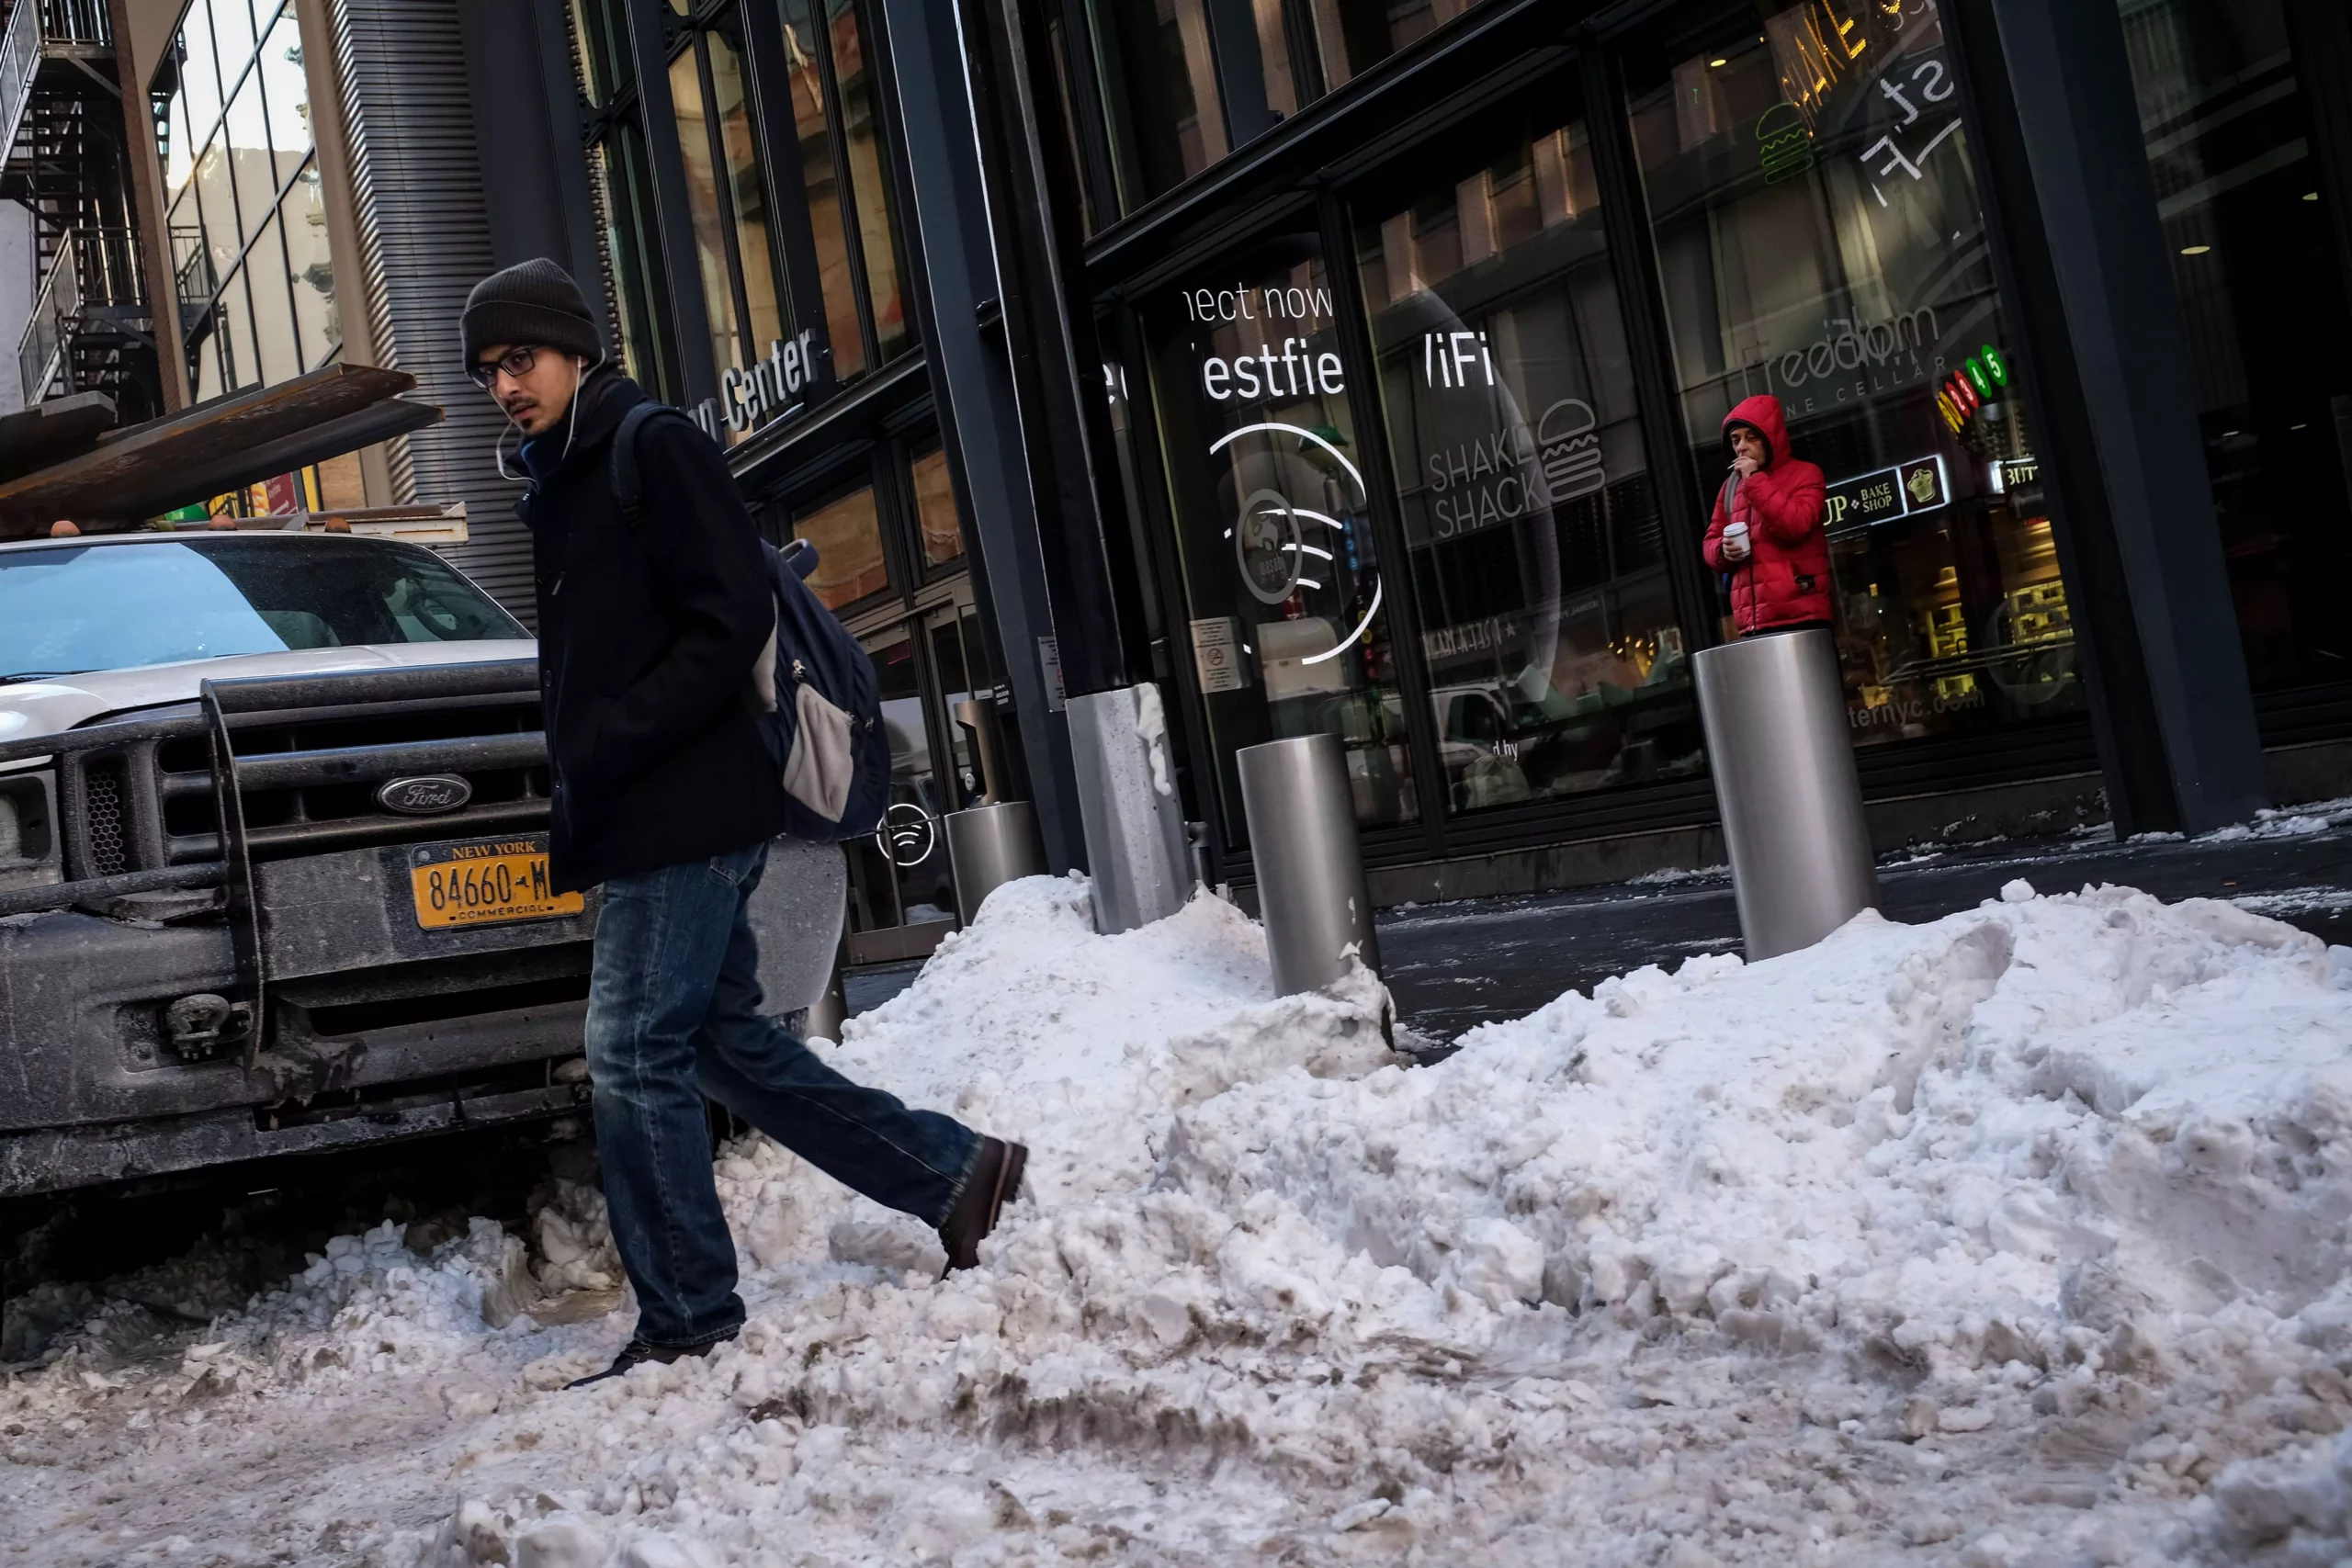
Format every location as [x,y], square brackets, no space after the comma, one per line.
[648,634]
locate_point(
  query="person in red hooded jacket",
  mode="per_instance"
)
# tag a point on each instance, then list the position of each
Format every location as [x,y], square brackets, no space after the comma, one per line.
[1777,551]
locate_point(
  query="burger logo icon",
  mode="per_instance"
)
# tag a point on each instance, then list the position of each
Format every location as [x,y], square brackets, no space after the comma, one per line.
[1568,445]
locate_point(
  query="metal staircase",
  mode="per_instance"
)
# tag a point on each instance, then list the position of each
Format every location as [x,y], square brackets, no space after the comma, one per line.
[65,156]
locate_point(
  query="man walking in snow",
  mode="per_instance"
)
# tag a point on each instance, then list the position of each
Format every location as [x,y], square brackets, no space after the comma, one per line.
[666,794]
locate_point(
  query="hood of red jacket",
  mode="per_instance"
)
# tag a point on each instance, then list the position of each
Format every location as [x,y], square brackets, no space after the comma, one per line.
[1763,412]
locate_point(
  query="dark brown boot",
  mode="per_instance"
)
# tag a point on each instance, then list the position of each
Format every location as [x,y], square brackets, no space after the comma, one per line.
[637,1352]
[994,1182]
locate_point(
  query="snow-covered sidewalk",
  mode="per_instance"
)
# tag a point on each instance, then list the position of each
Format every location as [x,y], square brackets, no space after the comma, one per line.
[2016,1238]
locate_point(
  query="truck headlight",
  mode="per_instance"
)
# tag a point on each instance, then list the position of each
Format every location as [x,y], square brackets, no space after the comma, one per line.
[28,830]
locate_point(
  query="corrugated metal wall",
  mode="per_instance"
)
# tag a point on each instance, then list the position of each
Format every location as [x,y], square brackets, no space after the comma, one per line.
[424,243]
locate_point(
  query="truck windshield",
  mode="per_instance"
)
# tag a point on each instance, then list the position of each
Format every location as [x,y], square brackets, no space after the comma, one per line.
[116,606]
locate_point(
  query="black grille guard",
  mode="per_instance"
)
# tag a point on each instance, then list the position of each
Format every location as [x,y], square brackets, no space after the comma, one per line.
[228,706]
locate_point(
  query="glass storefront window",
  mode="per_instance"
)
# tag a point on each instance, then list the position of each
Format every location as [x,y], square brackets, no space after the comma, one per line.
[2244,194]
[1821,240]
[1156,67]
[742,214]
[1352,36]
[1283,582]
[911,834]
[286,95]
[217,211]
[1557,662]
[834,275]
[304,215]
[199,74]
[702,205]
[591,51]
[961,671]
[848,537]
[1184,81]
[862,128]
[232,26]
[275,338]
[262,286]
[727,200]
[624,195]
[935,519]
[746,192]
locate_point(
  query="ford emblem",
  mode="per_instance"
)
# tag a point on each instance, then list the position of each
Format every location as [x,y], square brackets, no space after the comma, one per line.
[428,795]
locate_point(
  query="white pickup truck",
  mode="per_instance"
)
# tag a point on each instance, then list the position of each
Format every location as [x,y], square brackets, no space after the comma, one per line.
[272,809]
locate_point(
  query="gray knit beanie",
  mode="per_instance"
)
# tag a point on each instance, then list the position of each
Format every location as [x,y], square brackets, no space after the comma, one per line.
[534,301]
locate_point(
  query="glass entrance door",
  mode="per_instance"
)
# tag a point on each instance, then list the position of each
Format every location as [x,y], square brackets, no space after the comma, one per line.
[903,888]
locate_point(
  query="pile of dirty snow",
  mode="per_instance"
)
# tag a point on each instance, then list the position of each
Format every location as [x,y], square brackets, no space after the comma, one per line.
[2017,1238]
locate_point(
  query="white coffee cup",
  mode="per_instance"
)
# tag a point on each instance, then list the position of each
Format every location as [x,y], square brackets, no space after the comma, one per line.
[1736,541]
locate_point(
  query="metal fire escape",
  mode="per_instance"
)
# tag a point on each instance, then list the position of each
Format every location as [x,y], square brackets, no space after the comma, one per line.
[64,154]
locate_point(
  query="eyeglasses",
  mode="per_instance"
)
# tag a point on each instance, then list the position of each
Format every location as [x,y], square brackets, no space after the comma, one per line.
[515,362]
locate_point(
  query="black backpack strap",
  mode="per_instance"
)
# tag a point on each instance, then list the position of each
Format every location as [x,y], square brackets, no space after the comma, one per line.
[628,486]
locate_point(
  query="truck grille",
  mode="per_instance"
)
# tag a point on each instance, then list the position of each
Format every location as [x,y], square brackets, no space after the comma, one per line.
[494,746]
[311,754]
[107,836]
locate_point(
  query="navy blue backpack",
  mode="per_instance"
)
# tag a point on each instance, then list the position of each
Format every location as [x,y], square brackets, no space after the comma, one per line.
[820,704]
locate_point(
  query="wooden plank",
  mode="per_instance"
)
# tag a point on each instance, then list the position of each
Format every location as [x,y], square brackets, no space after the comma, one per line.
[53,431]
[197,453]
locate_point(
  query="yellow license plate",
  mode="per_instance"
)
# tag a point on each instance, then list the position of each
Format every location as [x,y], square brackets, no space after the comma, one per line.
[487,884]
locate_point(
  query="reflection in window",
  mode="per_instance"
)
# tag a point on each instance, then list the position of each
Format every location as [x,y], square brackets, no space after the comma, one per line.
[248,237]
[1181,82]
[1820,239]
[1283,579]
[591,51]
[727,200]
[961,673]
[623,191]
[702,205]
[822,186]
[848,537]
[943,531]
[860,124]
[304,216]
[1160,74]
[1557,662]
[911,849]
[746,193]
[1352,36]
[2244,196]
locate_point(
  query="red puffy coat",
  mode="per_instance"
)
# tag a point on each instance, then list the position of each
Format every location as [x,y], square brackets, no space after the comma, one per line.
[1785,579]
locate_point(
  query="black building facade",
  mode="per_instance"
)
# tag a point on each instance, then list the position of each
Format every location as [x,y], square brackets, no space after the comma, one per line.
[1359,367]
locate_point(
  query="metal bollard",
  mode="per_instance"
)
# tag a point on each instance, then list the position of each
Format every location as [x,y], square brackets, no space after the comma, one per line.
[1791,804]
[990,846]
[1126,801]
[823,1018]
[1310,872]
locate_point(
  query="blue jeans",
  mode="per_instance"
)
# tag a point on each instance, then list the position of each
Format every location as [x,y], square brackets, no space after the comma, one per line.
[674,1014]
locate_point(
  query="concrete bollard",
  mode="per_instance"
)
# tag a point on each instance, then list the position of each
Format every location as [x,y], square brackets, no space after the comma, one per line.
[990,846]
[1311,888]
[1792,802]
[798,913]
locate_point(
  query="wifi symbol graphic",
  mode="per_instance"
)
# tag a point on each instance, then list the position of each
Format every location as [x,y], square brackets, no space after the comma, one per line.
[906,835]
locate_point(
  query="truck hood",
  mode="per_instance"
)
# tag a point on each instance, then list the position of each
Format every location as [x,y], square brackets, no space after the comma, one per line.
[44,708]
